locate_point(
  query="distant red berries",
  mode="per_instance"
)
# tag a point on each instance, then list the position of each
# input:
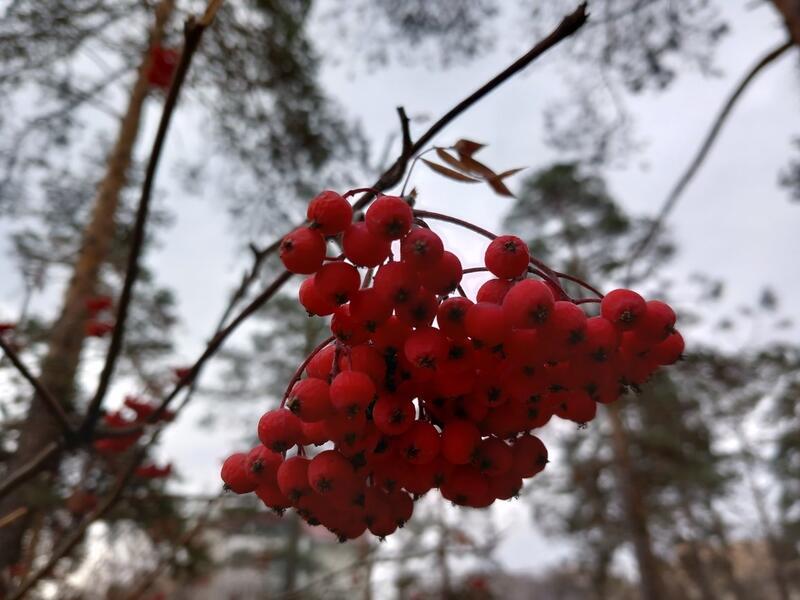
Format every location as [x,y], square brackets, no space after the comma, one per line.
[163,62]
[421,391]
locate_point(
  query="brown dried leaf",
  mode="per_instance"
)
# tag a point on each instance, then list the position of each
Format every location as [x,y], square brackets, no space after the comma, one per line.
[510,172]
[449,172]
[467,147]
[499,187]
[451,160]
[477,168]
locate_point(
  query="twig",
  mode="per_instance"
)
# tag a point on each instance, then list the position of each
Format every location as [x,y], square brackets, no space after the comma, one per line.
[193,33]
[30,469]
[13,516]
[53,405]
[705,147]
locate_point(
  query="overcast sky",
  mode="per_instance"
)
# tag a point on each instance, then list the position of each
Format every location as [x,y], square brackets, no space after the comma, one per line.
[733,221]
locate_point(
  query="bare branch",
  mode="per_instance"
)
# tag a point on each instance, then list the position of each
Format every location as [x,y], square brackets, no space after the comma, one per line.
[702,153]
[30,469]
[193,33]
[53,405]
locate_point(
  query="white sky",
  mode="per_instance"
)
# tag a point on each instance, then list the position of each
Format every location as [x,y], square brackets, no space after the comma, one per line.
[733,221]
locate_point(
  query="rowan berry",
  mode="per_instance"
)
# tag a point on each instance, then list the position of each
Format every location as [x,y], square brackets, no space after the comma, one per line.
[420,444]
[623,308]
[507,257]
[389,217]
[309,400]
[351,392]
[529,456]
[302,251]
[279,430]
[443,276]
[421,248]
[329,212]
[528,304]
[331,475]
[459,441]
[487,324]
[393,415]
[363,248]
[292,478]
[494,290]
[337,282]
[397,281]
[313,301]
[235,475]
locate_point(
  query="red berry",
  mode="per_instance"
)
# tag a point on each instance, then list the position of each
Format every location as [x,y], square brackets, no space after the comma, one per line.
[292,478]
[368,360]
[566,327]
[363,248]
[302,251]
[262,464]
[331,475]
[397,281]
[465,485]
[657,322]
[348,329]
[426,348]
[389,217]
[528,304]
[444,275]
[272,497]
[320,366]
[451,316]
[459,441]
[507,257]
[314,433]
[371,308]
[420,444]
[486,323]
[235,476]
[337,282]
[493,457]
[494,290]
[279,430]
[623,308]
[330,213]
[421,248]
[602,339]
[669,351]
[392,415]
[505,486]
[351,392]
[309,400]
[313,301]
[420,310]
[529,456]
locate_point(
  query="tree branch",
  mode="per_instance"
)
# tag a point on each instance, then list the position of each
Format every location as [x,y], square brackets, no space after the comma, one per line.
[53,405]
[702,153]
[30,469]
[193,33]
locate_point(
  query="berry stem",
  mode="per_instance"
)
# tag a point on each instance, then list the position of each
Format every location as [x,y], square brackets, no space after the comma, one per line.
[363,190]
[544,271]
[580,282]
[586,301]
[299,372]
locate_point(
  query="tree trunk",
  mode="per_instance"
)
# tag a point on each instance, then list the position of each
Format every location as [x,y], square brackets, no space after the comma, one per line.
[65,342]
[790,11]
[291,554]
[692,559]
[724,558]
[649,578]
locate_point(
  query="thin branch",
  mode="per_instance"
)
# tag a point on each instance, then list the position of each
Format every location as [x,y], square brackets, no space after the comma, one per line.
[30,469]
[193,33]
[404,128]
[53,405]
[702,153]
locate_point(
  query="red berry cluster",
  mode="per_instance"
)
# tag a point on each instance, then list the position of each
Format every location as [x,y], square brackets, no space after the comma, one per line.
[163,62]
[138,412]
[99,323]
[418,389]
